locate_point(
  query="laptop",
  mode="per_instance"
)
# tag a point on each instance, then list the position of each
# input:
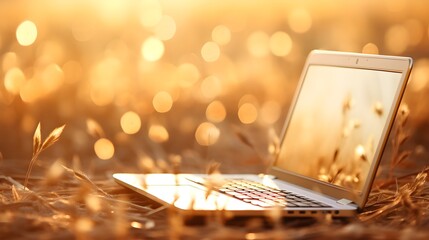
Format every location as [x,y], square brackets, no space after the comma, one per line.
[332,142]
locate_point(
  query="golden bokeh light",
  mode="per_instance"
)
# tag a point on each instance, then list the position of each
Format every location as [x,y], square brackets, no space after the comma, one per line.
[211,87]
[152,49]
[360,152]
[420,75]
[83,30]
[370,48]
[247,113]
[136,225]
[187,74]
[415,30]
[397,39]
[150,12]
[280,44]
[52,78]
[102,96]
[93,202]
[300,20]
[26,33]
[165,29]
[72,71]
[158,133]
[248,98]
[216,112]
[14,79]
[270,112]
[104,149]
[210,52]
[207,134]
[162,102]
[10,60]
[113,13]
[30,91]
[130,122]
[221,35]
[258,44]
[83,225]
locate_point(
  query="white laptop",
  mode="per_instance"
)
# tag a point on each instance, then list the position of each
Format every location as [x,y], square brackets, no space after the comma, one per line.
[331,146]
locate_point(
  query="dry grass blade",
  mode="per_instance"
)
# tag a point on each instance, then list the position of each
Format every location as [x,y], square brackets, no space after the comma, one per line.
[401,136]
[94,129]
[243,138]
[83,178]
[53,137]
[37,140]
[15,194]
[406,200]
[38,147]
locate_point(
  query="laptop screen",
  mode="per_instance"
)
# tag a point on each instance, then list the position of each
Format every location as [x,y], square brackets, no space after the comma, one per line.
[337,123]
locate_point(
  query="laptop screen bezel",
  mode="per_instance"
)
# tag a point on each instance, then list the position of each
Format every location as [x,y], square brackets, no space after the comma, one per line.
[400,65]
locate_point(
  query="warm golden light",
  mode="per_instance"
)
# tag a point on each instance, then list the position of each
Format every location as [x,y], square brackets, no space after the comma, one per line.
[52,78]
[151,12]
[83,225]
[104,148]
[211,87]
[216,111]
[158,133]
[258,44]
[130,122]
[360,152]
[14,79]
[10,60]
[210,52]
[102,96]
[270,112]
[26,33]
[416,31]
[165,29]
[280,44]
[136,225]
[207,134]
[187,74]
[152,49]
[370,48]
[247,113]
[300,20]
[93,203]
[162,102]
[397,39]
[221,35]
[420,75]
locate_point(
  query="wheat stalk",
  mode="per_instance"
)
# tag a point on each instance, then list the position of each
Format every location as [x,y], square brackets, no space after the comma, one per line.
[39,147]
[401,136]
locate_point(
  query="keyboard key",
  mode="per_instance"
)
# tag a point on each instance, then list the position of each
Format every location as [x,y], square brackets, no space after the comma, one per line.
[264,196]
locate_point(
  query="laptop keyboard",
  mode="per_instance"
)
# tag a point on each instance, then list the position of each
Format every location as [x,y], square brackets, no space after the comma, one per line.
[263,196]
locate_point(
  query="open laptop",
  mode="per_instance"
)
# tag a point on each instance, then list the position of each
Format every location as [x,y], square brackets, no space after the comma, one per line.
[331,146]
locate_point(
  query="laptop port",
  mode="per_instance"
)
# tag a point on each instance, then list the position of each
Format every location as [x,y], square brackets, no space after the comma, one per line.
[301,212]
[291,212]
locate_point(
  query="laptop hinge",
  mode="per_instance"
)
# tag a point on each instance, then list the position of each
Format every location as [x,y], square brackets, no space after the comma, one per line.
[344,201]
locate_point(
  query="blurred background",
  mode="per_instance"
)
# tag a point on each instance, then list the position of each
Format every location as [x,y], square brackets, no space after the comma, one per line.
[144,84]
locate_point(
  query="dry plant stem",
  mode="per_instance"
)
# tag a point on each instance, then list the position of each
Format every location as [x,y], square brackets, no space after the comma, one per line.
[401,136]
[38,146]
[30,168]
[83,178]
